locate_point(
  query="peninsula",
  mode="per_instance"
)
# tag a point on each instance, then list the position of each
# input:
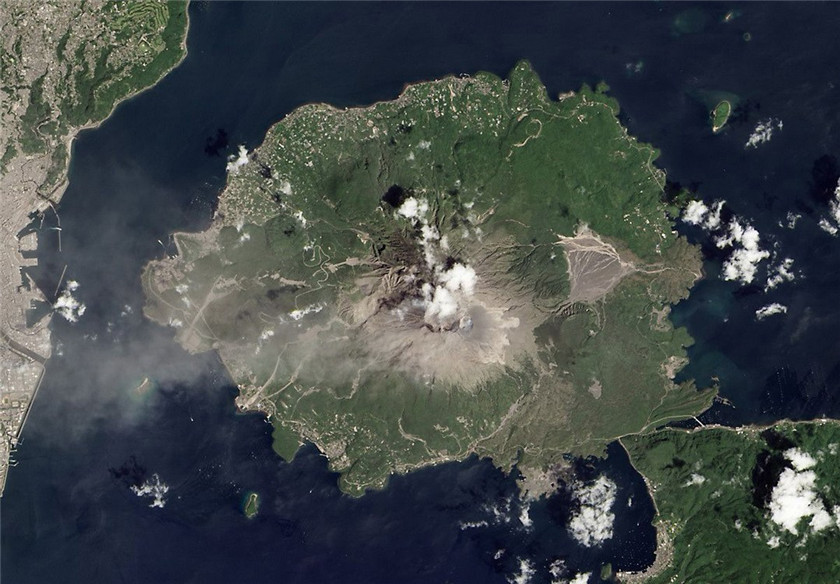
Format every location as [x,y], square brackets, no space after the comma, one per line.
[473,267]
[753,504]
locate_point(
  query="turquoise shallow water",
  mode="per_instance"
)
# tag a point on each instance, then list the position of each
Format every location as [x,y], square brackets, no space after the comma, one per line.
[69,513]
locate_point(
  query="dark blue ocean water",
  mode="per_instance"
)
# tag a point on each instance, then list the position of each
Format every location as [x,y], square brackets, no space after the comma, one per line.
[69,514]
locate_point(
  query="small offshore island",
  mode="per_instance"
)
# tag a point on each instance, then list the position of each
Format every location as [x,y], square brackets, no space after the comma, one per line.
[470,268]
[251,506]
[720,115]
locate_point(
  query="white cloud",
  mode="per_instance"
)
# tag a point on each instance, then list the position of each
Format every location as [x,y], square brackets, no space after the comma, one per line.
[770,310]
[835,206]
[417,211]
[742,238]
[826,226]
[526,570]
[821,519]
[763,132]
[446,301]
[713,220]
[556,568]
[830,224]
[301,312]
[472,524]
[238,160]
[442,307]
[499,513]
[413,209]
[580,578]
[592,523]
[67,305]
[790,220]
[459,278]
[429,233]
[742,263]
[696,479]
[153,488]
[795,497]
[779,274]
[695,212]
[446,298]
[800,459]
[301,219]
[525,515]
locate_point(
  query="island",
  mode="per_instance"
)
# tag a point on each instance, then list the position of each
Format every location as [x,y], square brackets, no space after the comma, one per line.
[65,66]
[252,505]
[471,268]
[757,504]
[720,115]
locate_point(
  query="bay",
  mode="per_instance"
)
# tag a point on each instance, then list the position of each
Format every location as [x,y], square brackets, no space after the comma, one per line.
[69,513]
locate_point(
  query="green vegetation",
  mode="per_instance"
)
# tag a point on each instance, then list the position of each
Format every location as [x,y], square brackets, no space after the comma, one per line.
[55,173]
[713,488]
[718,105]
[147,14]
[161,26]
[252,505]
[38,112]
[720,115]
[88,58]
[470,268]
[8,155]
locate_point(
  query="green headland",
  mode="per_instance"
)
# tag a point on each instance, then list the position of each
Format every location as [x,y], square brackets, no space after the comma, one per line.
[747,504]
[473,267]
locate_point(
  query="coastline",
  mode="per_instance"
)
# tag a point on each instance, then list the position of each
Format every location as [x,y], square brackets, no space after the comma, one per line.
[666,532]
[74,132]
[664,542]
[252,397]
[28,200]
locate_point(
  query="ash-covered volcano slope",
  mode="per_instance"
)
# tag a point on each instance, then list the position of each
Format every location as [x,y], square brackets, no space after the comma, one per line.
[470,268]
